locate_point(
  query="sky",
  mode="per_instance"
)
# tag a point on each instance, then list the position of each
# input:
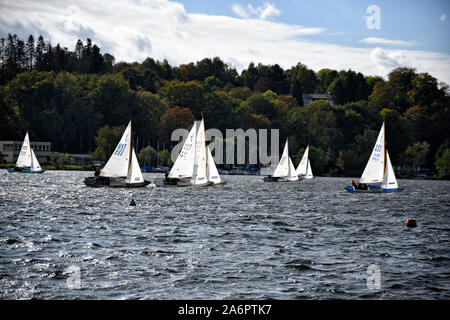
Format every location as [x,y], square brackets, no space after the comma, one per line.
[372,37]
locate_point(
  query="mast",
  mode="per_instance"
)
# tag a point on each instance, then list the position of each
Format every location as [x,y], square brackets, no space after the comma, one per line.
[204,142]
[384,149]
[129,156]
[307,163]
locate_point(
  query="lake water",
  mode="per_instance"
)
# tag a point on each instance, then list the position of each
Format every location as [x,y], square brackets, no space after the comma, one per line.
[245,240]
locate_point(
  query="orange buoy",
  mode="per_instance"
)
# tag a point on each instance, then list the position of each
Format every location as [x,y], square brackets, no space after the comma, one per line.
[411,222]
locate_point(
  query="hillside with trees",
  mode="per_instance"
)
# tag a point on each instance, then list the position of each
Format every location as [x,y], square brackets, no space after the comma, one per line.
[79,99]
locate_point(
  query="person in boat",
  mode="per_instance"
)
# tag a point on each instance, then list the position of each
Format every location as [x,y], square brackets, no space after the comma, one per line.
[362,186]
[97,172]
[354,184]
[171,181]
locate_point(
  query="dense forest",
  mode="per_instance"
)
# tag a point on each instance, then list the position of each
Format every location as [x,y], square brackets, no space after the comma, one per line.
[81,100]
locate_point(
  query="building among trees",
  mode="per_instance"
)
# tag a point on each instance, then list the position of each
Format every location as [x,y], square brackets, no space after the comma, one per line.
[10,150]
[310,97]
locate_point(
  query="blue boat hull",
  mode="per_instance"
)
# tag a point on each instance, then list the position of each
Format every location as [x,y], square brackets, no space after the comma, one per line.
[25,170]
[377,189]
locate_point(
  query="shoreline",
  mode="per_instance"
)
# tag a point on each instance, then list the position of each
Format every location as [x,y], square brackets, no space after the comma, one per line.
[92,168]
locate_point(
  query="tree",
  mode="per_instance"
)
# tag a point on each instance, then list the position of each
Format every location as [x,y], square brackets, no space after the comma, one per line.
[7,117]
[174,118]
[302,80]
[416,154]
[400,83]
[349,162]
[184,94]
[443,162]
[259,104]
[326,76]
[322,129]
[108,62]
[241,93]
[147,111]
[164,158]
[30,53]
[218,110]
[250,76]
[113,99]
[364,144]
[107,139]
[349,86]
[212,83]
[40,54]
[147,156]
[296,91]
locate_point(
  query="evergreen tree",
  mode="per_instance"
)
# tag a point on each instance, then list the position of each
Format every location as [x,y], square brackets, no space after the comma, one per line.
[30,53]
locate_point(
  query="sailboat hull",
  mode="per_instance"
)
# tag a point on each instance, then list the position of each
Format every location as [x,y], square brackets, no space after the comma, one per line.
[161,182]
[25,170]
[98,182]
[279,179]
[372,190]
[221,183]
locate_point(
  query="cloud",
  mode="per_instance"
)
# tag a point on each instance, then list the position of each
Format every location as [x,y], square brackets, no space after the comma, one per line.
[134,30]
[443,17]
[380,41]
[266,11]
[385,59]
[239,11]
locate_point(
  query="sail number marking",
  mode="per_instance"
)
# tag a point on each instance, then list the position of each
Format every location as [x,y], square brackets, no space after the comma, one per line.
[377,152]
[120,149]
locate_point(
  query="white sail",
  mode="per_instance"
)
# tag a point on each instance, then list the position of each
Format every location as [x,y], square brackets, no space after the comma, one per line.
[35,166]
[118,163]
[282,168]
[309,174]
[302,166]
[24,159]
[374,170]
[292,175]
[199,174]
[211,169]
[389,182]
[134,174]
[184,165]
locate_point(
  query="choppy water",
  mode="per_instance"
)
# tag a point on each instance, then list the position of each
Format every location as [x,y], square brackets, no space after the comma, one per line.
[244,240]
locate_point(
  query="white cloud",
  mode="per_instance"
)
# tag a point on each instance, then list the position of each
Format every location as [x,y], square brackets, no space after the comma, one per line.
[381,41]
[132,30]
[443,17]
[239,11]
[263,12]
[268,10]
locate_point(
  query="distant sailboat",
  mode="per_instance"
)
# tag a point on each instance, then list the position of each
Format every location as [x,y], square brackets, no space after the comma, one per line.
[378,175]
[27,161]
[195,165]
[285,171]
[304,170]
[122,169]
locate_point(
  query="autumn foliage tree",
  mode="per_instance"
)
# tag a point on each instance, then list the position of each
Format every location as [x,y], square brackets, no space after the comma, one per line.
[174,118]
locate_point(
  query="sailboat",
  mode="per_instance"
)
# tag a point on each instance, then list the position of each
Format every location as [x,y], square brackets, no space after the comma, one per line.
[195,164]
[378,175]
[27,161]
[122,169]
[285,171]
[304,167]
